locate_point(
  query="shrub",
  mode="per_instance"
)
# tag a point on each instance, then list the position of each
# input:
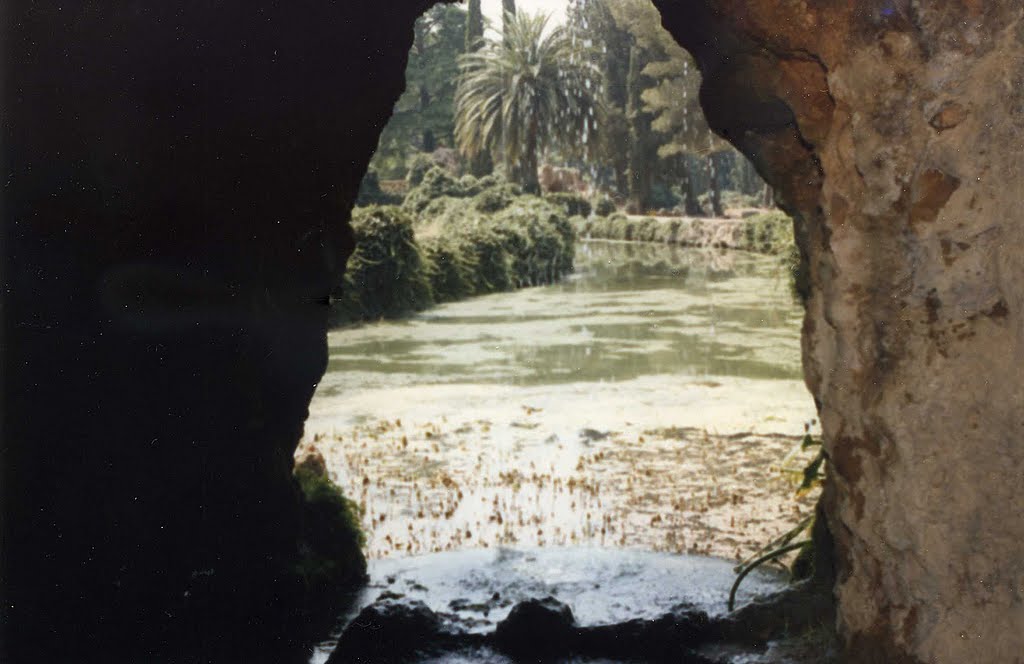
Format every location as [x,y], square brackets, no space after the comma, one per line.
[493,193]
[496,197]
[384,276]
[646,230]
[604,207]
[437,182]
[581,227]
[486,250]
[370,192]
[450,268]
[417,166]
[737,199]
[539,238]
[573,204]
[494,241]
[768,232]
[470,185]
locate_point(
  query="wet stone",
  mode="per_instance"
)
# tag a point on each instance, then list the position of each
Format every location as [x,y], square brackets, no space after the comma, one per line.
[388,630]
[669,638]
[537,627]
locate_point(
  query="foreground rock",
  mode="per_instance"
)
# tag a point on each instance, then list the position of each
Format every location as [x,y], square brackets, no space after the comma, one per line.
[890,131]
[398,630]
[389,631]
[537,628]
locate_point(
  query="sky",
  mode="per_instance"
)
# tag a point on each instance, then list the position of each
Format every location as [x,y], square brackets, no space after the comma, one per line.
[492,9]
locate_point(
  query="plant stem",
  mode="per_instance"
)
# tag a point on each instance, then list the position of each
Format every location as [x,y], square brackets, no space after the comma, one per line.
[763,559]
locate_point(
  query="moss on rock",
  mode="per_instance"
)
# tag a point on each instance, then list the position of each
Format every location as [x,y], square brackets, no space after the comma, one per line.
[331,546]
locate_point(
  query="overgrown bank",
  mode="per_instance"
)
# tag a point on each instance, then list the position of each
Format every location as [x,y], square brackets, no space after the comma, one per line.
[767,232]
[450,239]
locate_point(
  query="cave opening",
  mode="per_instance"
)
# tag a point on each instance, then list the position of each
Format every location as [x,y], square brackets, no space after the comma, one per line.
[573,364]
[174,212]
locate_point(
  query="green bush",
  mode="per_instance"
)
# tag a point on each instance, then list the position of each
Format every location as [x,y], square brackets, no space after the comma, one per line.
[573,204]
[453,238]
[768,232]
[417,166]
[436,183]
[540,239]
[604,207]
[491,192]
[646,230]
[470,185]
[385,274]
[451,268]
[496,197]
[370,192]
[581,226]
[737,199]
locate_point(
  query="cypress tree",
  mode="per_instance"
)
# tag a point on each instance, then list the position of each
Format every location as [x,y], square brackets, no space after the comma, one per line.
[474,26]
[481,164]
[640,152]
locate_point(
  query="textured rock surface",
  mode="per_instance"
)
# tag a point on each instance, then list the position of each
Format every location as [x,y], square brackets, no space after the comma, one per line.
[893,132]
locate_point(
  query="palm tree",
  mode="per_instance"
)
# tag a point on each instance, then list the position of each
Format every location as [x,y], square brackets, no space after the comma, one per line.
[531,91]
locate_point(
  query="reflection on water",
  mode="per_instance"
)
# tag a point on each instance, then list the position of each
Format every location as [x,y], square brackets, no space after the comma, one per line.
[640,403]
[629,311]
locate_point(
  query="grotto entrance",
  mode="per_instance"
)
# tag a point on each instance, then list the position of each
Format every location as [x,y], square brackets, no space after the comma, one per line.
[648,399]
[170,171]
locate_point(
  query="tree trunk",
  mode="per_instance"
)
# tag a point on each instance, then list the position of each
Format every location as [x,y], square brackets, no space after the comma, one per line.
[690,195]
[481,164]
[639,149]
[715,183]
[527,166]
[427,141]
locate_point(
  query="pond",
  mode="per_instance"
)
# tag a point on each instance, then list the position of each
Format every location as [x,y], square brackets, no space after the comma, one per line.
[648,401]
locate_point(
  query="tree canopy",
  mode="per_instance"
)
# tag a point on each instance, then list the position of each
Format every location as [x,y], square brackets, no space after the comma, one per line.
[538,92]
[524,94]
[423,116]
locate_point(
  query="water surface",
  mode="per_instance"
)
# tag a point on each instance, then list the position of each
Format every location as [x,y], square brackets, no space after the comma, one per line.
[630,310]
[646,402]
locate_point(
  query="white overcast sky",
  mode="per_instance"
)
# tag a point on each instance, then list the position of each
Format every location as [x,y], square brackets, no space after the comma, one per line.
[556,8]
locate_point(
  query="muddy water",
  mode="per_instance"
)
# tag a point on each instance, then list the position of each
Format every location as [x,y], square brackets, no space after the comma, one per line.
[649,401]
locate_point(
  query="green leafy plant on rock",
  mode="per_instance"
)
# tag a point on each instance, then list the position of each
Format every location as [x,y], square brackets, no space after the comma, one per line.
[812,475]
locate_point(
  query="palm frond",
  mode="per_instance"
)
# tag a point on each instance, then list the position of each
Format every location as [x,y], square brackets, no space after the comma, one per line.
[529,92]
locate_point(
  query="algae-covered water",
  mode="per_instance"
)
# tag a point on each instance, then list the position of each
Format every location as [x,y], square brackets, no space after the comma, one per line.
[648,401]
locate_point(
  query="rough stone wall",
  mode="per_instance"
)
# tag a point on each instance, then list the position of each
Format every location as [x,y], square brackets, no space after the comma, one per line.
[893,130]
[176,183]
